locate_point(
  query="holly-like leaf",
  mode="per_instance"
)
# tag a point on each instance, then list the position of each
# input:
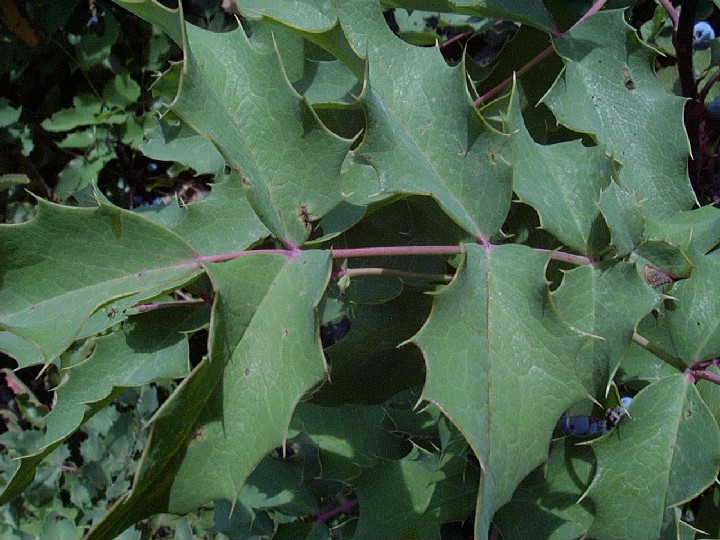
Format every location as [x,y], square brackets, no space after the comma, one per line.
[236,406]
[49,276]
[147,349]
[699,227]
[694,313]
[664,453]
[223,221]
[562,182]
[606,302]
[624,217]
[412,497]
[424,133]
[609,89]
[549,497]
[238,96]
[501,364]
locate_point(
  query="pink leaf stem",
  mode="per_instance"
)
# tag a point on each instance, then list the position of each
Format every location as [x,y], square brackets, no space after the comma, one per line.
[490,93]
[703,374]
[324,516]
[672,12]
[571,258]
[597,5]
[395,250]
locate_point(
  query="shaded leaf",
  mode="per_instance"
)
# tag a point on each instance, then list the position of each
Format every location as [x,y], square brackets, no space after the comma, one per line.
[412,497]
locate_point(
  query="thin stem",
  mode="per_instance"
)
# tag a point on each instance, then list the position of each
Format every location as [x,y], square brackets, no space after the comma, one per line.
[490,93]
[455,38]
[159,305]
[597,5]
[324,516]
[395,250]
[571,258]
[705,374]
[392,272]
[672,13]
[711,80]
[702,364]
[665,356]
[229,255]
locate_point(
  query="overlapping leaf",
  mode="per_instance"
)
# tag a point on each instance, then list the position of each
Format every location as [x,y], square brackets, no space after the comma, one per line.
[412,497]
[147,349]
[53,282]
[665,453]
[694,313]
[423,134]
[606,302]
[236,406]
[238,96]
[609,89]
[501,364]
[562,182]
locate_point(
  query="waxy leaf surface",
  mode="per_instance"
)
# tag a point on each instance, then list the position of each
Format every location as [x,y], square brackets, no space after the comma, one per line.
[236,406]
[694,314]
[423,133]
[661,455]
[606,302]
[497,355]
[562,182]
[609,89]
[53,282]
[238,96]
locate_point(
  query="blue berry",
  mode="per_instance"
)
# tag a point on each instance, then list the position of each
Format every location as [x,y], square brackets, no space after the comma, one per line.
[702,34]
[713,108]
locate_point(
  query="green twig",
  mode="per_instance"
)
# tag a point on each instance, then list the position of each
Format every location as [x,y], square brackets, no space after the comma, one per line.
[665,356]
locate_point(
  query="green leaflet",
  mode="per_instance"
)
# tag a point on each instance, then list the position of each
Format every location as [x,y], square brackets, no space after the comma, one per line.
[563,183]
[49,274]
[148,348]
[664,453]
[607,86]
[500,365]
[236,406]
[238,96]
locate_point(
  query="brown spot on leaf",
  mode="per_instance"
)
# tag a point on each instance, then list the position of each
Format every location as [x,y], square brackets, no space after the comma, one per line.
[305,215]
[197,435]
[655,276]
[247,371]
